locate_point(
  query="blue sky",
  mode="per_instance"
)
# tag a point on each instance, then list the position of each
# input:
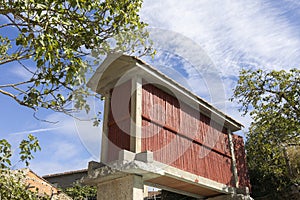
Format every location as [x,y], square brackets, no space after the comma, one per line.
[233,34]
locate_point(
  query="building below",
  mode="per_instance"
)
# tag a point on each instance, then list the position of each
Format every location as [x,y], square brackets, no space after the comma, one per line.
[38,184]
[66,179]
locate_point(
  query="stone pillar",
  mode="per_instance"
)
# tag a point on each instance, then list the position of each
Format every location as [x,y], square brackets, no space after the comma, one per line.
[129,187]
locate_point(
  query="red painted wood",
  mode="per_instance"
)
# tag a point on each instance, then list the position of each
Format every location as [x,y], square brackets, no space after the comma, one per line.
[180,136]
[118,139]
[177,134]
[240,156]
[120,102]
[119,121]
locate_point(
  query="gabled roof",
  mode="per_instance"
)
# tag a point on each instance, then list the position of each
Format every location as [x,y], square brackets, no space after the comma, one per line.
[116,66]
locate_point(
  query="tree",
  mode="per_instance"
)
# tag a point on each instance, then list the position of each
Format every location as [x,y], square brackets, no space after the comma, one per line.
[26,147]
[80,192]
[273,100]
[51,40]
[12,185]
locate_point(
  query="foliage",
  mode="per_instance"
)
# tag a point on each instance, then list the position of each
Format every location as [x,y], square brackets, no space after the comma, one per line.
[293,153]
[272,99]
[26,147]
[80,192]
[5,153]
[51,40]
[12,187]
[11,182]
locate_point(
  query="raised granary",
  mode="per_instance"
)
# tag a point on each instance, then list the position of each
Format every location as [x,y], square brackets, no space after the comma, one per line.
[157,132]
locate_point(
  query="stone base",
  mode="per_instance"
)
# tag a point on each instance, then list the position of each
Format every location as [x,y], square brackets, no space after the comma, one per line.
[129,187]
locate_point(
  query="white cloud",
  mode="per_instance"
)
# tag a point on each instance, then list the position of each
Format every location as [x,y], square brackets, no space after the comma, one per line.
[59,154]
[90,137]
[20,72]
[52,166]
[233,33]
[81,128]
[64,150]
[34,131]
[65,123]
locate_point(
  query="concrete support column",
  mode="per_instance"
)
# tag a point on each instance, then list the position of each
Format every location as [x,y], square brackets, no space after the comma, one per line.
[104,142]
[234,167]
[129,187]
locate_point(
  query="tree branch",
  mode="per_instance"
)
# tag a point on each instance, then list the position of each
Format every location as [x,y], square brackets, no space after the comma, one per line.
[13,24]
[15,84]
[15,98]
[16,59]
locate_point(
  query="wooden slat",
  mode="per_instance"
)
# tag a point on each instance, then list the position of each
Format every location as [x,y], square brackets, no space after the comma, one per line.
[119,121]
[241,164]
[182,137]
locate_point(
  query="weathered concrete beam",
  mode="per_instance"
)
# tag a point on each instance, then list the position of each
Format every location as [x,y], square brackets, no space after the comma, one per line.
[143,164]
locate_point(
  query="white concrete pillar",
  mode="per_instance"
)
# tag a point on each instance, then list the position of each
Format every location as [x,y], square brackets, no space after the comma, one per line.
[105,140]
[136,115]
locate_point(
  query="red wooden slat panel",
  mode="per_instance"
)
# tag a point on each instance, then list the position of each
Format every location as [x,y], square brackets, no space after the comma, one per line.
[176,134]
[119,120]
[183,120]
[120,102]
[240,156]
[119,138]
[184,154]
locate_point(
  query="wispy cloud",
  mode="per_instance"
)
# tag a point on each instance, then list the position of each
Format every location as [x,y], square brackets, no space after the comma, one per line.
[59,153]
[51,165]
[83,130]
[90,137]
[233,33]
[35,131]
[20,72]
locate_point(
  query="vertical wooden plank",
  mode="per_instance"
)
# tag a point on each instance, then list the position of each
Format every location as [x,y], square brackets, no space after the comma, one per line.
[241,161]
[186,155]
[233,160]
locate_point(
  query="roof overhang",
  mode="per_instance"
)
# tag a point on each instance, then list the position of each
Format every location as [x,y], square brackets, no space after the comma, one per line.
[117,68]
